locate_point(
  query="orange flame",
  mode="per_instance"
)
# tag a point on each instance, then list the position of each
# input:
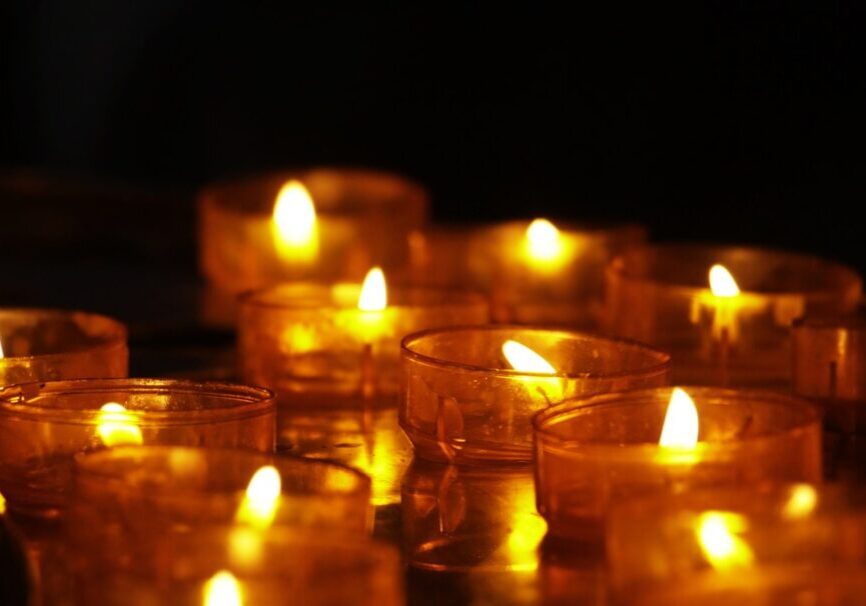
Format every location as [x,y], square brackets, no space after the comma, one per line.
[524,359]
[295,229]
[722,283]
[259,507]
[680,429]
[117,426]
[374,291]
[222,589]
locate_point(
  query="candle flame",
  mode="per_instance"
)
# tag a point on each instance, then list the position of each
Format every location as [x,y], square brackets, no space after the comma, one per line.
[801,502]
[262,498]
[222,589]
[2,504]
[543,241]
[294,223]
[374,292]
[722,283]
[680,429]
[117,426]
[1,349]
[717,535]
[522,358]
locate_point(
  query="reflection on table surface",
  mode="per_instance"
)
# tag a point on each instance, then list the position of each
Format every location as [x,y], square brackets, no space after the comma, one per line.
[370,440]
[471,535]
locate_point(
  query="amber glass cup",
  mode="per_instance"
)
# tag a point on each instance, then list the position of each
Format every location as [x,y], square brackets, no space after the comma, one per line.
[558,281]
[661,295]
[132,504]
[463,402]
[314,347]
[49,345]
[592,454]
[45,424]
[363,218]
[774,544]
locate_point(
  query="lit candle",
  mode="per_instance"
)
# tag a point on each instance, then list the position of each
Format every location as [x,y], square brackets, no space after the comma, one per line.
[338,345]
[541,273]
[737,331]
[767,544]
[534,272]
[471,390]
[728,308]
[332,354]
[47,424]
[592,454]
[372,303]
[320,224]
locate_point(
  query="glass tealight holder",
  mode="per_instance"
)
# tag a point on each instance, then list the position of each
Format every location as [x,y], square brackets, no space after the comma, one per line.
[49,344]
[554,277]
[276,567]
[464,402]
[314,347]
[592,454]
[362,218]
[774,544]
[45,424]
[134,502]
[152,488]
[829,368]
[738,336]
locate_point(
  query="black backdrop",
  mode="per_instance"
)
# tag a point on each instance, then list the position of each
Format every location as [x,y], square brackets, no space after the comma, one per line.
[721,121]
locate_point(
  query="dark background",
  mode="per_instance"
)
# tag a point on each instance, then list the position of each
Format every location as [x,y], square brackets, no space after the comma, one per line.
[717,121]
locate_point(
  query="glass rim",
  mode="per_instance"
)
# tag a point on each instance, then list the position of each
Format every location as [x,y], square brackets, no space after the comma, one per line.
[250,401]
[85,467]
[114,336]
[213,193]
[593,228]
[370,549]
[457,299]
[543,434]
[847,276]
[661,366]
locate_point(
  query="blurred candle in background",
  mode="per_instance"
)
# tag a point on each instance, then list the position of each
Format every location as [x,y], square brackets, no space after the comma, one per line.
[321,224]
[723,312]
[534,272]
[49,344]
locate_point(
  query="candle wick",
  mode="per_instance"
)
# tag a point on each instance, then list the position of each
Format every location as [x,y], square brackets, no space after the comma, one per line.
[724,355]
[368,373]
